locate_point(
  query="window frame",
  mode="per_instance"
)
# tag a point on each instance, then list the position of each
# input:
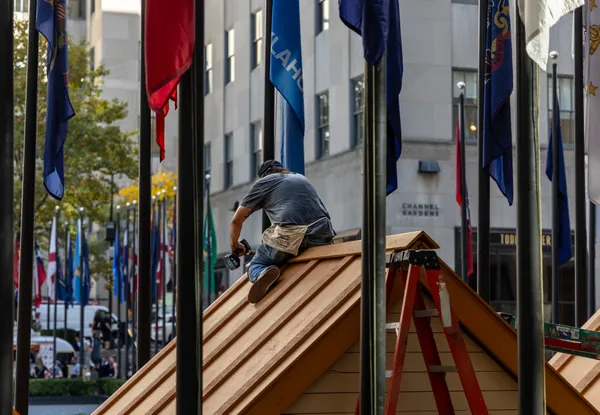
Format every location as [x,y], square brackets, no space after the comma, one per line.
[569,142]
[207,158]
[229,55]
[357,114]
[257,36]
[323,16]
[256,151]
[208,68]
[228,164]
[323,149]
[469,138]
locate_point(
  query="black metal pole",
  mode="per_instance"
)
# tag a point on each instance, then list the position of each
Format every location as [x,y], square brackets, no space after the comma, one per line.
[591,291]
[163,270]
[6,206]
[119,295]
[67,276]
[174,327]
[483,205]
[211,289]
[372,343]
[463,187]
[581,283]
[156,216]
[529,261]
[55,294]
[27,212]
[128,291]
[555,195]
[81,305]
[269,104]
[134,317]
[145,188]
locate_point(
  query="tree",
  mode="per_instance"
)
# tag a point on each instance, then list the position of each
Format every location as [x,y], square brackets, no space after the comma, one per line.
[95,149]
[161,181]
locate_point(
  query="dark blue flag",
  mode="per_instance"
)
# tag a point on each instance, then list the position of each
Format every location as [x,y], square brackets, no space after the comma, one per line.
[87,281]
[565,249]
[378,22]
[117,279]
[51,22]
[286,76]
[497,136]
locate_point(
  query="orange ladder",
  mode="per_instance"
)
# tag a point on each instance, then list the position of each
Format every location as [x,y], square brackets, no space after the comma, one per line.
[412,263]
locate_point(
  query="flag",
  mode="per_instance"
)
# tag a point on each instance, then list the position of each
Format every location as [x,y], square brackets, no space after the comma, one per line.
[497,136]
[87,281]
[378,22]
[592,100]
[538,17]
[154,252]
[52,261]
[169,46]
[77,264]
[166,247]
[565,249]
[61,286]
[124,266]
[39,276]
[69,271]
[210,247]
[51,22]
[459,201]
[286,76]
[116,269]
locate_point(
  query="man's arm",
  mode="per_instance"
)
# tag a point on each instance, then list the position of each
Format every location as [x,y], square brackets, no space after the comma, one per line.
[235,228]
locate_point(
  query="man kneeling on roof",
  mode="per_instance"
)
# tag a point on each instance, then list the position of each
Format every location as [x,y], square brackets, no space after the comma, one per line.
[299,220]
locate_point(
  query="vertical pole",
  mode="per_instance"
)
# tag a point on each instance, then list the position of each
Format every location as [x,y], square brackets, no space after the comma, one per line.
[6,205]
[269,99]
[119,296]
[208,236]
[483,206]
[144,288]
[463,186]
[156,216]
[55,295]
[532,386]
[163,270]
[591,291]
[372,343]
[81,304]
[174,327]
[67,276]
[581,284]
[134,316]
[128,291]
[48,309]
[27,212]
[555,195]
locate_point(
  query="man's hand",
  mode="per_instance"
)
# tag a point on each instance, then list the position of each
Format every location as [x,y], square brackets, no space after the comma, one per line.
[238,248]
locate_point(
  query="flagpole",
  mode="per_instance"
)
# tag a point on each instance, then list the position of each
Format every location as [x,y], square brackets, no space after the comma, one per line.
[128,291]
[66,275]
[483,205]
[27,219]
[592,261]
[119,293]
[372,344]
[134,317]
[173,326]
[55,292]
[581,283]
[555,194]
[6,206]
[81,306]
[144,298]
[269,100]
[163,281]
[530,340]
[155,271]
[463,184]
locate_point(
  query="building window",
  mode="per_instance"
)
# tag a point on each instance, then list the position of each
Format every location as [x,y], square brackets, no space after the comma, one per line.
[469,77]
[565,103]
[21,6]
[92,59]
[229,56]
[323,125]
[155,149]
[256,147]
[208,66]
[322,15]
[228,160]
[75,9]
[358,108]
[207,158]
[257,38]
[92,6]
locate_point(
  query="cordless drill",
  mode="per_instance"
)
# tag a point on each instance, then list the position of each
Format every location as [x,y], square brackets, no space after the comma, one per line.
[233,260]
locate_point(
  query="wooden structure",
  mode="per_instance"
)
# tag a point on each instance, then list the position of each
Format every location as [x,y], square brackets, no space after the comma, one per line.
[296,351]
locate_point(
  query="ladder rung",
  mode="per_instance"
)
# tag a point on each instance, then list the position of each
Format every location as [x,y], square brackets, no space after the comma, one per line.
[389,373]
[442,369]
[392,326]
[425,313]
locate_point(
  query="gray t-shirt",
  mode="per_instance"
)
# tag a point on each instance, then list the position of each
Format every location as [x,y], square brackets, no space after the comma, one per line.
[290,199]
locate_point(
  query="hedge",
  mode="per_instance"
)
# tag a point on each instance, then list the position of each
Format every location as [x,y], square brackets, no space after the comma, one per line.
[74,387]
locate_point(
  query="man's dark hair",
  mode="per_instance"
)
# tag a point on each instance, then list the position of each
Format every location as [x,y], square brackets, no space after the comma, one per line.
[271,167]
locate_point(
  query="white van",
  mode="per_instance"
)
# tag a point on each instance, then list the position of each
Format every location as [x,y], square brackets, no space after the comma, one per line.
[73,317]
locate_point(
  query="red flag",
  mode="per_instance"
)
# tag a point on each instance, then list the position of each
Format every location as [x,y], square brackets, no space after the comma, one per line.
[169,46]
[459,201]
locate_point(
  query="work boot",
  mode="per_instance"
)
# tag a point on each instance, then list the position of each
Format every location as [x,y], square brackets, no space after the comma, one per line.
[265,281]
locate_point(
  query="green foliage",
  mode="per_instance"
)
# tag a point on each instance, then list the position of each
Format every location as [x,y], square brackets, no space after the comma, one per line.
[74,387]
[95,150]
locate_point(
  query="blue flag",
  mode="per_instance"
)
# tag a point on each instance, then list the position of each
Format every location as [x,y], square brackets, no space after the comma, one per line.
[51,22]
[77,264]
[87,281]
[565,249]
[69,271]
[497,136]
[378,22]
[117,281]
[286,76]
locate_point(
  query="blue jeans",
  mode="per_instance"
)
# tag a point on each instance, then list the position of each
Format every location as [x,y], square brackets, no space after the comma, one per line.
[267,256]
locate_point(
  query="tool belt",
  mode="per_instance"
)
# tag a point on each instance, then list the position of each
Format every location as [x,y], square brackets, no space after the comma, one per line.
[286,238]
